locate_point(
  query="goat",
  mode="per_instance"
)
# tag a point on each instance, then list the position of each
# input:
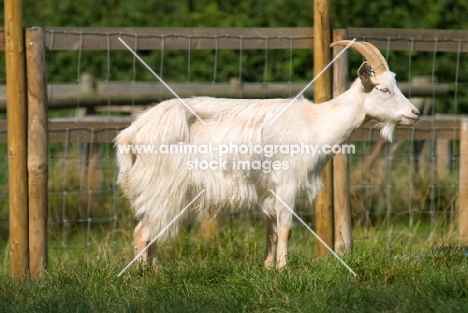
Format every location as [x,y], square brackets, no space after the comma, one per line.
[160,185]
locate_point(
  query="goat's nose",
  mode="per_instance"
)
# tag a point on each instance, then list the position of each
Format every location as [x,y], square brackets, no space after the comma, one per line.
[415,111]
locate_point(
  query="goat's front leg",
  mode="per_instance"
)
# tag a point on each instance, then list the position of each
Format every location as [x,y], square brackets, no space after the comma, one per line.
[141,240]
[284,232]
[271,241]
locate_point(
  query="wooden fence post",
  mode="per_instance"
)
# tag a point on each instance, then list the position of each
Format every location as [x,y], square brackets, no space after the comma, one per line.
[322,93]
[341,208]
[37,150]
[443,156]
[17,142]
[463,184]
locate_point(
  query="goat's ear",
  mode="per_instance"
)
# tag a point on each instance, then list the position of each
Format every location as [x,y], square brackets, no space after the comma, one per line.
[366,74]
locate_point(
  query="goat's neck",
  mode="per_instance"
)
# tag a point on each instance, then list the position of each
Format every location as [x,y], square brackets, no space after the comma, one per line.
[340,117]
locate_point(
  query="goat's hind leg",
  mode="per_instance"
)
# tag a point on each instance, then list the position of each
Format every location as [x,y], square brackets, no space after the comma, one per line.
[271,242]
[284,228]
[141,240]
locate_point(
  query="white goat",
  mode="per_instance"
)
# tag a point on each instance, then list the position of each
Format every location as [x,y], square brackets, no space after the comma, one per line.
[160,185]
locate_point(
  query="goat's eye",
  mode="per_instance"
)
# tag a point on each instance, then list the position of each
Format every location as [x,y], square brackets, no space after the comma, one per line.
[384,90]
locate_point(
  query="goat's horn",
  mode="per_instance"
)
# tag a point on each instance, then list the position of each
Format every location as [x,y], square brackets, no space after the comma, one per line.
[369,51]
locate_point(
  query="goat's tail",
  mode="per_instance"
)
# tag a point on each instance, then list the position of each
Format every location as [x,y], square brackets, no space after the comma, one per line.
[166,123]
[125,155]
[155,183]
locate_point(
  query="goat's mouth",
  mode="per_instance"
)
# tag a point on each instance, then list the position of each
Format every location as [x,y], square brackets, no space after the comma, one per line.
[407,120]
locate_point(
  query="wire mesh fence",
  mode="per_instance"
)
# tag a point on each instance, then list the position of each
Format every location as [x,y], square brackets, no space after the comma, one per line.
[406,188]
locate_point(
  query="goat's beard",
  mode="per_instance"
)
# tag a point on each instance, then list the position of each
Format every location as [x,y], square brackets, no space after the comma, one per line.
[386,130]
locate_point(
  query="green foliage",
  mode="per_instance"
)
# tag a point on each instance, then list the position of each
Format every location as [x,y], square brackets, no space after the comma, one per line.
[446,14]
[160,13]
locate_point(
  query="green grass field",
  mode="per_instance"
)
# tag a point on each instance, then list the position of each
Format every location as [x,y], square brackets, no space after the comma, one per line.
[224,274]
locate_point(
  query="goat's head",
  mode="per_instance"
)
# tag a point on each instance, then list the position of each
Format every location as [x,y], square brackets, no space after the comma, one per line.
[383,99]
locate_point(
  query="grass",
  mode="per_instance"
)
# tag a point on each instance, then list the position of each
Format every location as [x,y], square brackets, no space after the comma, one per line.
[225,274]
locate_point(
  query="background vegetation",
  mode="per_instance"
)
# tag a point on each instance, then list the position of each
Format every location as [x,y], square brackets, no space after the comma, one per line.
[445,14]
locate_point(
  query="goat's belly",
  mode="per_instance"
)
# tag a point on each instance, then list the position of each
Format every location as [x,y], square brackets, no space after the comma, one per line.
[224,193]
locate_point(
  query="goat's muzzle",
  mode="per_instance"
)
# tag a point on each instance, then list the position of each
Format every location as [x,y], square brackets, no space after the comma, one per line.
[408,120]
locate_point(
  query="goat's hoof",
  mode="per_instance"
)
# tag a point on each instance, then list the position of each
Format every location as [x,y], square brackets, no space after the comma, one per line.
[269,265]
[280,265]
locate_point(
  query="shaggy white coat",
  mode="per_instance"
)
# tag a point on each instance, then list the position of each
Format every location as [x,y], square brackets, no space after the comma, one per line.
[159,186]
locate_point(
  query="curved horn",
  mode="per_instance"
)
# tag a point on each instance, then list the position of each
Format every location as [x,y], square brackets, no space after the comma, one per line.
[377,52]
[369,51]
